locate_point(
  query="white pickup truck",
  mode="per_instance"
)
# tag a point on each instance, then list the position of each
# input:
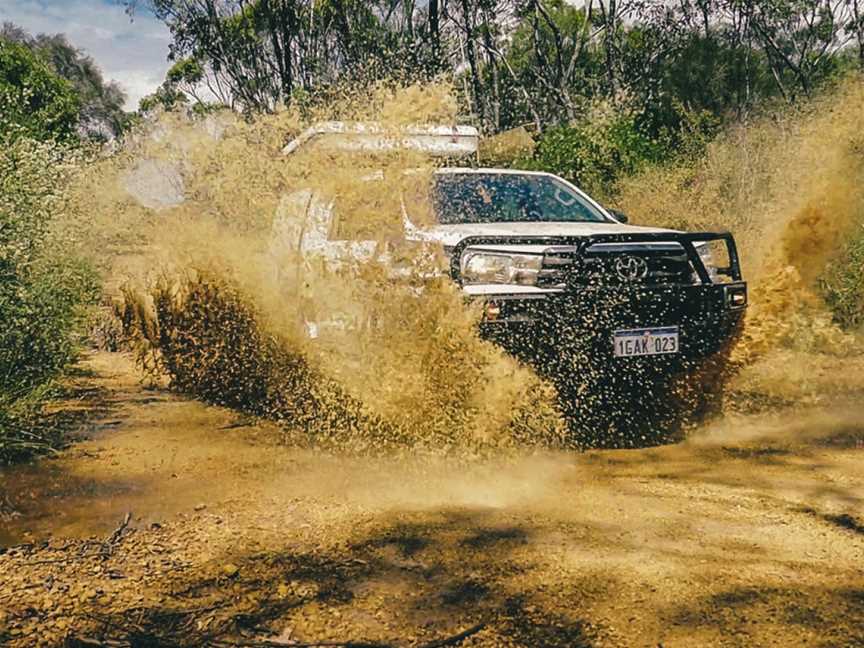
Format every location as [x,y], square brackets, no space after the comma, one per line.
[556,271]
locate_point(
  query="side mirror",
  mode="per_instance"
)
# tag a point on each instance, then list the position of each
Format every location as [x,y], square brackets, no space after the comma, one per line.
[620,216]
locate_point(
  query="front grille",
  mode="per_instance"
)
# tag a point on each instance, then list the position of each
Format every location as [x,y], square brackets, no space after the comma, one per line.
[616,265]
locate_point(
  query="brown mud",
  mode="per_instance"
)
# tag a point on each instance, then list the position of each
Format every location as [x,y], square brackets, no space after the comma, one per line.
[749,533]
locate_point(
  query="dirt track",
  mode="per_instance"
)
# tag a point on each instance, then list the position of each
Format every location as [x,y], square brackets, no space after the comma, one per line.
[750,534]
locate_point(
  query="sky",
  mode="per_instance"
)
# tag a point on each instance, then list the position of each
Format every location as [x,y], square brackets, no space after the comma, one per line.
[131,52]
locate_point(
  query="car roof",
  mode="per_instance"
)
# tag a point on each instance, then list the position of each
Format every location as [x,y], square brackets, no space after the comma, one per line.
[446,141]
[489,170]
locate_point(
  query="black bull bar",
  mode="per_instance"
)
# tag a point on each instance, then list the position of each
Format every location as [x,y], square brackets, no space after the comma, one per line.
[581,244]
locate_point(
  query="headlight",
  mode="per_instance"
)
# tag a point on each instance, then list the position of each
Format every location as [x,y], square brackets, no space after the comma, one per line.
[704,252]
[480,267]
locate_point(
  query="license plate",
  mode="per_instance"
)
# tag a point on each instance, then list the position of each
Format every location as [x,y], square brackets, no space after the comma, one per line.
[645,342]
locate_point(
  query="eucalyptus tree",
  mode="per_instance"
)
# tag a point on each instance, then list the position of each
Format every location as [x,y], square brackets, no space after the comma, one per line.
[101,103]
[256,54]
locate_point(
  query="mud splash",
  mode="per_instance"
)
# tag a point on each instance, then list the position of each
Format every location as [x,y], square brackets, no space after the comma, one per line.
[790,186]
[601,548]
[366,358]
[366,364]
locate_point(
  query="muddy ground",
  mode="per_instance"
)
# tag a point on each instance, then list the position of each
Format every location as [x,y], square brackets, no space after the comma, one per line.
[751,533]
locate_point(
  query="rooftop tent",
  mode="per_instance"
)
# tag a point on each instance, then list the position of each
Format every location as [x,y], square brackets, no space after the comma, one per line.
[440,141]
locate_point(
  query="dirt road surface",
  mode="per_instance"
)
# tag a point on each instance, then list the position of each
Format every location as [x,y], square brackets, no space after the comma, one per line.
[749,534]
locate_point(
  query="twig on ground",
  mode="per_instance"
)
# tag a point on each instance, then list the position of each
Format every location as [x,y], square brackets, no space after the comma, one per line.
[107,622]
[455,639]
[107,548]
[90,642]
[47,561]
[115,537]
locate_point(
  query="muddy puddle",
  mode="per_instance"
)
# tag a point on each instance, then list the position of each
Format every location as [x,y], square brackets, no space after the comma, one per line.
[158,456]
[45,500]
[755,513]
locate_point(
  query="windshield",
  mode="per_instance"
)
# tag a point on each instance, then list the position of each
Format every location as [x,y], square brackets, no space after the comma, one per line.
[509,198]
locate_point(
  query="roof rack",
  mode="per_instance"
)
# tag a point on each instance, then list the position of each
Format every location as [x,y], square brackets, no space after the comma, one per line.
[440,141]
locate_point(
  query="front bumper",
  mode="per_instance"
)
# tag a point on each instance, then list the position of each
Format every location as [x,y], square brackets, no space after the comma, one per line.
[537,324]
[584,316]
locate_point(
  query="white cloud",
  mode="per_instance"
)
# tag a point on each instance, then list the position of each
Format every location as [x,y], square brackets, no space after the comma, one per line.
[131,52]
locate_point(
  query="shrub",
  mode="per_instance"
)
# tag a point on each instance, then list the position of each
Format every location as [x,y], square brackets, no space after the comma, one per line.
[608,143]
[34,102]
[789,186]
[843,285]
[43,286]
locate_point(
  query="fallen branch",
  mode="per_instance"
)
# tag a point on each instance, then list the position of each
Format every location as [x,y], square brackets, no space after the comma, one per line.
[455,639]
[47,561]
[90,642]
[107,548]
[115,537]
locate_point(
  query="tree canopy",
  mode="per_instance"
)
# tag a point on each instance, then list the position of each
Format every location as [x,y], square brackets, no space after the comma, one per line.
[34,101]
[520,60]
[100,104]
[665,70]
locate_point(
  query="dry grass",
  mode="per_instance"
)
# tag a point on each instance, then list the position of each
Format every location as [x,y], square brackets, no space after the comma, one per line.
[791,189]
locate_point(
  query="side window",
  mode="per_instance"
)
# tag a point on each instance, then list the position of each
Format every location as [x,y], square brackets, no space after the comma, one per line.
[563,203]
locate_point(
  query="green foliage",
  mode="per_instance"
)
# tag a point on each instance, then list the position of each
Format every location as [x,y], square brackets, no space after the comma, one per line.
[713,76]
[166,97]
[180,84]
[34,102]
[594,152]
[42,287]
[843,285]
[258,53]
[185,71]
[101,114]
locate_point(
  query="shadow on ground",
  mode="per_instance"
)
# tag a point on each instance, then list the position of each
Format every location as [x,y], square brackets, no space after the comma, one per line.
[415,583]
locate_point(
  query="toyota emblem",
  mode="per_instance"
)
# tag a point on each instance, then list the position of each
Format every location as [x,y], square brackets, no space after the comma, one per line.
[630,268]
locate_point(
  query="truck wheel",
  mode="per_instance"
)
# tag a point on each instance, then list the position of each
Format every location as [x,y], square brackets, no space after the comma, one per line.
[608,406]
[699,388]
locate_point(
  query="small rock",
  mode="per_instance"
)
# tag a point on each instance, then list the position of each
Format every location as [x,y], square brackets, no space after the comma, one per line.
[230,570]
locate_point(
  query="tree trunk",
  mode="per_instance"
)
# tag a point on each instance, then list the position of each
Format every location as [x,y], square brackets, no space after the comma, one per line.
[472,60]
[858,13]
[496,86]
[435,27]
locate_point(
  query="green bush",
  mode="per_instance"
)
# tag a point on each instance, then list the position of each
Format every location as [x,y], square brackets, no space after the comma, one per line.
[608,143]
[843,285]
[34,102]
[43,286]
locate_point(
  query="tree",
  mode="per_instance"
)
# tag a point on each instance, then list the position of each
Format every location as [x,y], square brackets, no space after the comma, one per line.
[255,54]
[519,62]
[34,102]
[798,40]
[101,114]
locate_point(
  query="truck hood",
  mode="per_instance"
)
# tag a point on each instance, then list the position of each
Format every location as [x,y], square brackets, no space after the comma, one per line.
[451,235]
